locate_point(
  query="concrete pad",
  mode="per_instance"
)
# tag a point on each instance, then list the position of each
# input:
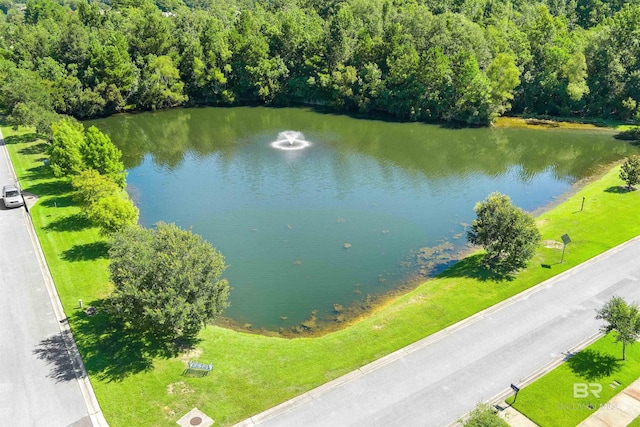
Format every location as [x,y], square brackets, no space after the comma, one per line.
[515,418]
[611,418]
[195,417]
[624,403]
[633,392]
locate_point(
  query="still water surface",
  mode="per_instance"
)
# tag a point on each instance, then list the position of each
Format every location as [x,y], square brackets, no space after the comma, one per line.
[318,229]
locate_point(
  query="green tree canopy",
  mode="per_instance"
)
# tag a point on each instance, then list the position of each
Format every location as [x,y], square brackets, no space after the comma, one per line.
[65,152]
[113,213]
[90,186]
[167,281]
[630,172]
[623,318]
[161,86]
[508,234]
[103,201]
[101,154]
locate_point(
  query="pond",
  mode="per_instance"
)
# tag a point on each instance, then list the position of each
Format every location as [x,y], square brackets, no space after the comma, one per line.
[339,210]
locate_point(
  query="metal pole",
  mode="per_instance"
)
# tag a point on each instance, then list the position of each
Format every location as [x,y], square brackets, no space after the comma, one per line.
[582,207]
[563,248]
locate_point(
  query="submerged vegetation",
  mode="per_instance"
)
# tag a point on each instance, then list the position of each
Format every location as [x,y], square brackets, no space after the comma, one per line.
[466,61]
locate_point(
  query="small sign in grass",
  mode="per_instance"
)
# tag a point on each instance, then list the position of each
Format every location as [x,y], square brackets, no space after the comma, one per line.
[580,386]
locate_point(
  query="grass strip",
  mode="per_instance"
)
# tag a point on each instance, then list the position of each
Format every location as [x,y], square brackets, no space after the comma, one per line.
[597,373]
[136,385]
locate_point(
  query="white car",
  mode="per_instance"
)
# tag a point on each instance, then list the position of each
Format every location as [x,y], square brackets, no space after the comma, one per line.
[11,196]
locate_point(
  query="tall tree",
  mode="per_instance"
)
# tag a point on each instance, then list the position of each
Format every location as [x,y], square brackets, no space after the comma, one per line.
[167,281]
[65,152]
[160,85]
[503,78]
[100,154]
[630,172]
[622,317]
[508,234]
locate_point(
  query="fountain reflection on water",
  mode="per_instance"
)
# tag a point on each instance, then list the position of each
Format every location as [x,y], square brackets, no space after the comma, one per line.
[290,140]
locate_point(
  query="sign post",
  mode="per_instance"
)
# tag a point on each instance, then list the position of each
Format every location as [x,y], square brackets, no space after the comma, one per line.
[516,389]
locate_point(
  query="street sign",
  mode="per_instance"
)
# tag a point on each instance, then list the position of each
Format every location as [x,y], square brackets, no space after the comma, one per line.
[565,239]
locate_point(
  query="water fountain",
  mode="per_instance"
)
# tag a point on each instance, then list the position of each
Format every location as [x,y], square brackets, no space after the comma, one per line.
[290,140]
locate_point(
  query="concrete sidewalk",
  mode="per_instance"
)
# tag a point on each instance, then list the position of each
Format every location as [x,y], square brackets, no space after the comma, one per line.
[623,408]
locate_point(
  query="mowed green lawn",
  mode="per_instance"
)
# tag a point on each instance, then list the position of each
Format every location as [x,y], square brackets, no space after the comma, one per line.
[577,388]
[138,385]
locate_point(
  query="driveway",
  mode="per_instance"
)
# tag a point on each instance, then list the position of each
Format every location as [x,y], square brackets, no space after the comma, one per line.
[41,384]
[436,381]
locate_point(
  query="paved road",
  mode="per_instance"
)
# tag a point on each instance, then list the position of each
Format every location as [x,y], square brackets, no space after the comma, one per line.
[436,381]
[38,383]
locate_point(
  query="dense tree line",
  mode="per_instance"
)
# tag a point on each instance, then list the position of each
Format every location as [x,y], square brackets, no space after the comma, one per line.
[428,60]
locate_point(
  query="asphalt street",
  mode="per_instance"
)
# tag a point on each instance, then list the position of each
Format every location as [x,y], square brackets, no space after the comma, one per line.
[436,381]
[38,382]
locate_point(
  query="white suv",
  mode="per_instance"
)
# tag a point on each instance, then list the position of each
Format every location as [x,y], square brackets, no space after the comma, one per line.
[11,196]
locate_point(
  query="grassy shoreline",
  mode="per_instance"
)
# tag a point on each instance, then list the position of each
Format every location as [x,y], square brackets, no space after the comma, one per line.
[137,386]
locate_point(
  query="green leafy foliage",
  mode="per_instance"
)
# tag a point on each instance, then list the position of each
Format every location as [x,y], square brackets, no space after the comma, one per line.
[113,213]
[468,61]
[65,152]
[100,154]
[630,172]
[90,186]
[75,149]
[508,234]
[484,415]
[103,201]
[162,87]
[167,281]
[622,317]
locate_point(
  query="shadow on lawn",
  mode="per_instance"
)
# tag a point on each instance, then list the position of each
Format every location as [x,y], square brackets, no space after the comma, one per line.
[56,189]
[113,351]
[593,365]
[75,222]
[17,139]
[618,189]
[39,148]
[87,252]
[473,267]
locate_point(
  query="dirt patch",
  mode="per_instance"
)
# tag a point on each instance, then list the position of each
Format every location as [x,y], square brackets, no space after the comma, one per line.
[552,244]
[192,354]
[179,388]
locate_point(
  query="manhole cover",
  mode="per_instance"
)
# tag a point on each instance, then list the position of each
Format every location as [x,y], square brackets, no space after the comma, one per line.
[195,421]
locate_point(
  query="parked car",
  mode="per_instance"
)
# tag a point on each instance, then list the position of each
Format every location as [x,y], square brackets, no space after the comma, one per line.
[11,196]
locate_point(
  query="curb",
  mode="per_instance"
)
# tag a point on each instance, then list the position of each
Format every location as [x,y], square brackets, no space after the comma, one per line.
[424,342]
[93,407]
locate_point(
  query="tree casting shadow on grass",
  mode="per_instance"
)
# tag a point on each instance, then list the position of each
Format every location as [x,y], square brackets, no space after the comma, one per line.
[53,350]
[112,351]
[17,139]
[618,189]
[474,268]
[87,252]
[39,148]
[75,222]
[52,190]
[593,365]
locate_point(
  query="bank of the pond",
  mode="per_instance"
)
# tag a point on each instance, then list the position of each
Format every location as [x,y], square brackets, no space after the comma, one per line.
[561,123]
[137,386]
